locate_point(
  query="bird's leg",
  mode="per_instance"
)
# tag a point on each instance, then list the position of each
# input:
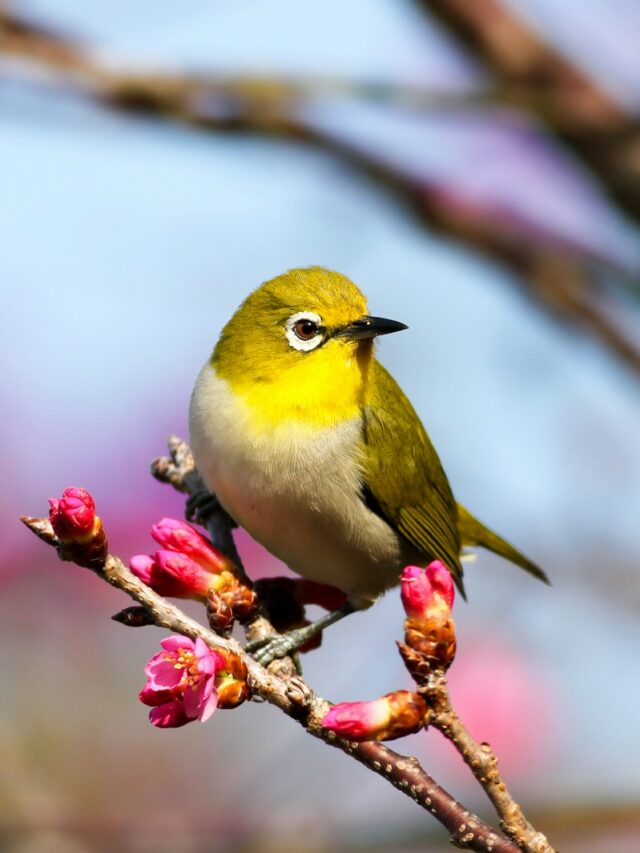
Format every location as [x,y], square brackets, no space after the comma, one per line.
[201,506]
[279,645]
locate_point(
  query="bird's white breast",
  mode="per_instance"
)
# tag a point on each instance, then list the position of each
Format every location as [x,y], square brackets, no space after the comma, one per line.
[296,488]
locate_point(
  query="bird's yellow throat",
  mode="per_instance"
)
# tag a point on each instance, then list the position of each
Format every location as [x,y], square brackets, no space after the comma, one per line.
[320,391]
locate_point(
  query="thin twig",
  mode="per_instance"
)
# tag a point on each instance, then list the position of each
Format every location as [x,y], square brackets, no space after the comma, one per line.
[279,688]
[297,700]
[484,765]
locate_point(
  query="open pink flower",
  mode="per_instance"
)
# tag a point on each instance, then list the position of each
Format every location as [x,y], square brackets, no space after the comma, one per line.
[73,516]
[172,574]
[180,684]
[175,535]
[427,594]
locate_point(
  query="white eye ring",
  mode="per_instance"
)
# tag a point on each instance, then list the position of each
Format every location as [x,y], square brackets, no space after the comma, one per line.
[294,339]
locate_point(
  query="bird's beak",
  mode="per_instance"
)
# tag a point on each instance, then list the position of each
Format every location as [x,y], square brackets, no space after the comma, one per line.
[369,327]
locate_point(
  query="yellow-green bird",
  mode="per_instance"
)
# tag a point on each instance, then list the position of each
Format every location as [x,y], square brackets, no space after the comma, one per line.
[311,446]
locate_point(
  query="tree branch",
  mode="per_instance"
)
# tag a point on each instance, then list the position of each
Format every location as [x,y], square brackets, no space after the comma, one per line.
[556,273]
[582,113]
[297,700]
[293,696]
[483,763]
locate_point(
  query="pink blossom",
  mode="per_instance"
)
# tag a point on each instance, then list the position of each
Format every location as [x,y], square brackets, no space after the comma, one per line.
[174,535]
[427,594]
[180,684]
[73,516]
[172,574]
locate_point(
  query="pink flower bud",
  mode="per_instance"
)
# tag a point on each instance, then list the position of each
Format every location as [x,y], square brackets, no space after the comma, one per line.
[391,716]
[73,517]
[427,594]
[172,574]
[174,535]
[358,720]
[142,565]
[430,637]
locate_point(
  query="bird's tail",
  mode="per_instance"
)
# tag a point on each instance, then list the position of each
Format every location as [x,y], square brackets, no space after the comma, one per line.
[473,532]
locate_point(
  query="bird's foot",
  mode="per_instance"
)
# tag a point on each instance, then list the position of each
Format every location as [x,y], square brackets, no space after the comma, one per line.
[275,646]
[201,506]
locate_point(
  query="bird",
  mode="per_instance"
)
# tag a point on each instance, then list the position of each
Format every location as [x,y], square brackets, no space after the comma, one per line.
[311,446]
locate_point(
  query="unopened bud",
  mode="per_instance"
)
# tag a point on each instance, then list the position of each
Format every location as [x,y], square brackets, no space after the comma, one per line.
[173,575]
[427,596]
[242,600]
[73,516]
[134,617]
[231,681]
[75,523]
[173,534]
[392,716]
[219,614]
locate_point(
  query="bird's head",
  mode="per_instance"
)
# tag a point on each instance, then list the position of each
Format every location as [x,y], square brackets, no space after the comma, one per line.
[299,347]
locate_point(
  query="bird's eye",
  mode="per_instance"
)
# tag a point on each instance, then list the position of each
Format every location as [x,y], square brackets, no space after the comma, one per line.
[306,329]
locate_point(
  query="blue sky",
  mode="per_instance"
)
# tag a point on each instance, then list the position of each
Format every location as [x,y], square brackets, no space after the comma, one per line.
[127,244]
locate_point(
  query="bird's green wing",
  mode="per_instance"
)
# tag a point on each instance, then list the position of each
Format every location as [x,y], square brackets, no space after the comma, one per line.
[403,478]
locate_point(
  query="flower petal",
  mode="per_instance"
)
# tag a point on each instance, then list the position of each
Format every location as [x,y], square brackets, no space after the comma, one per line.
[149,696]
[169,716]
[208,660]
[209,706]
[195,694]
[176,642]
[164,674]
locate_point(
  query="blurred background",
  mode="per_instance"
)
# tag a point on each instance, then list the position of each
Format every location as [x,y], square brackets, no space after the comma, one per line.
[475,168]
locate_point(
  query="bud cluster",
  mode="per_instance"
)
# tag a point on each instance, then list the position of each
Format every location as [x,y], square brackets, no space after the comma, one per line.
[430,645]
[187,565]
[187,680]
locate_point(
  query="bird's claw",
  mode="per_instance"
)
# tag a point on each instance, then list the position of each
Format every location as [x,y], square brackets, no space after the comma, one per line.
[275,646]
[201,506]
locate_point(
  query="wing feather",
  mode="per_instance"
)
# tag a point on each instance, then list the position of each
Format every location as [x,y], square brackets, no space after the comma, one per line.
[404,477]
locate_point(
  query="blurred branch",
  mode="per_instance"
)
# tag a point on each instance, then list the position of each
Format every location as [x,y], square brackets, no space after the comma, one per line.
[22,38]
[558,274]
[589,119]
[292,695]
